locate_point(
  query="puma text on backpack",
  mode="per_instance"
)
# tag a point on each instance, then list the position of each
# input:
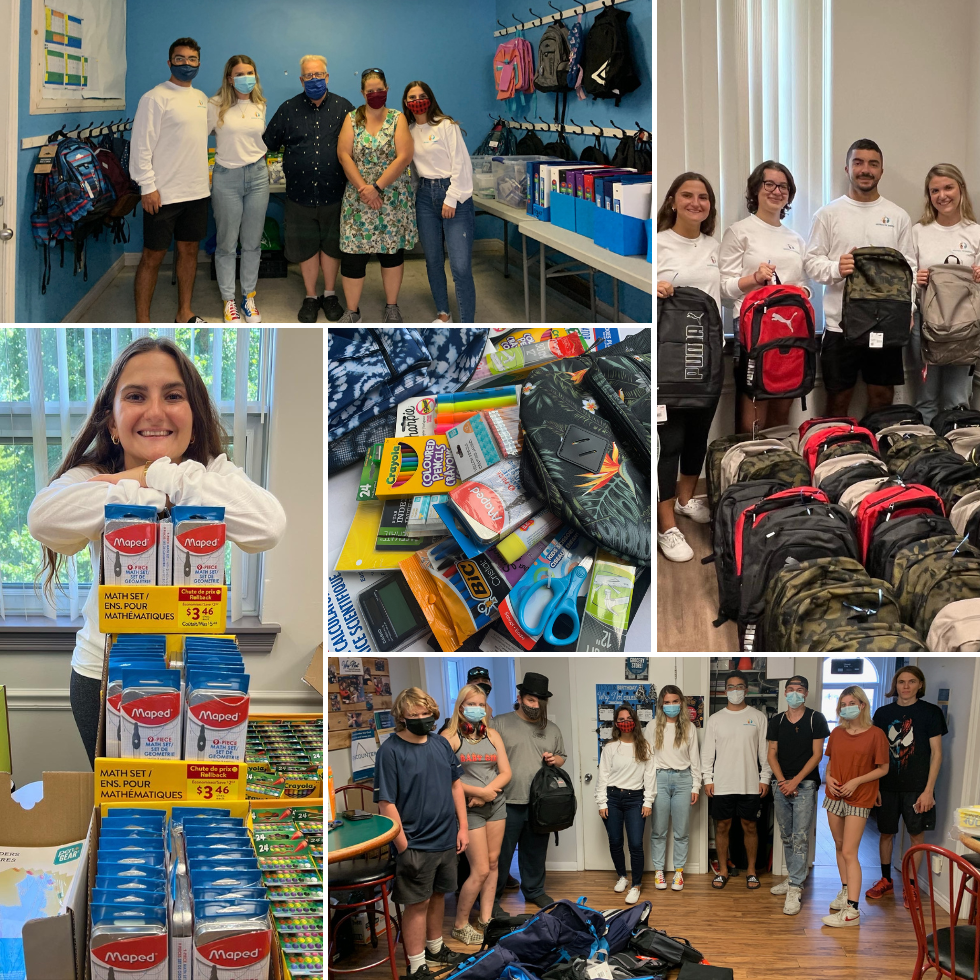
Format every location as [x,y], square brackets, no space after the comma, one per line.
[877,305]
[689,349]
[554,55]
[551,802]
[608,64]
[950,312]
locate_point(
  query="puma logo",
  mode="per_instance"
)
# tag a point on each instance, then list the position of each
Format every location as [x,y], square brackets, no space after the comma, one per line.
[788,321]
[697,317]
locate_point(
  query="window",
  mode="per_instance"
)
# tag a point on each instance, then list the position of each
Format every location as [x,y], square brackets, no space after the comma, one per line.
[49,377]
[833,684]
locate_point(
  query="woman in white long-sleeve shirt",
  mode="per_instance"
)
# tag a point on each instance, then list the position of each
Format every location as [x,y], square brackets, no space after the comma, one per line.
[153,438]
[444,202]
[624,794]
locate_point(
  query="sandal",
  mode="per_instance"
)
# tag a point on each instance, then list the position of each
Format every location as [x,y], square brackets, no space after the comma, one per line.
[749,882]
[719,881]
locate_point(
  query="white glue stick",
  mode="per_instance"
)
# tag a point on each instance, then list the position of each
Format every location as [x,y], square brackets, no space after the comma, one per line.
[533,530]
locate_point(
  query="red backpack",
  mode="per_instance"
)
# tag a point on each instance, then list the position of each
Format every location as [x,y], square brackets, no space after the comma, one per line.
[833,434]
[778,340]
[882,505]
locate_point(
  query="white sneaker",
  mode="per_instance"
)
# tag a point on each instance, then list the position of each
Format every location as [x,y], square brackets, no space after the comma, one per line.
[841,901]
[695,508]
[792,904]
[439,319]
[620,885]
[848,916]
[632,895]
[659,881]
[677,885]
[780,887]
[674,545]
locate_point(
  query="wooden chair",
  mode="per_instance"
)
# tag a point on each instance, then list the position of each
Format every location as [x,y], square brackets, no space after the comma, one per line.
[952,950]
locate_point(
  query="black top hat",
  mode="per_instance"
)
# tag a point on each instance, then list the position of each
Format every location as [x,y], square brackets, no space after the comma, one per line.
[534,684]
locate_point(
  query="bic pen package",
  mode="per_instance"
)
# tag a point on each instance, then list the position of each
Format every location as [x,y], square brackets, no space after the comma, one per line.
[415,465]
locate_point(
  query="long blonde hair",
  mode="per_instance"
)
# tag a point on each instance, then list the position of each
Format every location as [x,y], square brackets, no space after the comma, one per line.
[641,747]
[227,95]
[863,720]
[452,726]
[952,171]
[682,723]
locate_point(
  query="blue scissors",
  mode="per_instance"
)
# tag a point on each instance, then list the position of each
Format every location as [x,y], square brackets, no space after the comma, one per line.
[563,602]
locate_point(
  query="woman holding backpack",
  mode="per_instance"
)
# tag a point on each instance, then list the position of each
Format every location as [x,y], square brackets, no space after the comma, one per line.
[946,232]
[687,255]
[754,252]
[444,209]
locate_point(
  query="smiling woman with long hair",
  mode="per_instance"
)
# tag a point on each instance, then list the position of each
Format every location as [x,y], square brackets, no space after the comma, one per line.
[154,438]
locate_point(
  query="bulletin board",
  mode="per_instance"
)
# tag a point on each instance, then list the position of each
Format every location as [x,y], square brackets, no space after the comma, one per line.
[643,699]
[358,696]
[78,55]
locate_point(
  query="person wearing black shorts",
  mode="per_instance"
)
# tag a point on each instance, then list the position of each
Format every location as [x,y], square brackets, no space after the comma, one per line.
[914,728]
[860,217]
[169,160]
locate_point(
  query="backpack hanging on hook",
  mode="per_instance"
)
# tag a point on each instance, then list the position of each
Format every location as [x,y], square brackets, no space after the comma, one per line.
[608,63]
[594,154]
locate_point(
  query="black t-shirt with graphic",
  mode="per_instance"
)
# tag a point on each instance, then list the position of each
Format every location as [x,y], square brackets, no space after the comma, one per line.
[908,731]
[794,741]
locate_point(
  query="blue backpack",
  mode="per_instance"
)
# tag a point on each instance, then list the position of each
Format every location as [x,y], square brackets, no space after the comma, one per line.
[622,923]
[485,966]
[576,45]
[517,972]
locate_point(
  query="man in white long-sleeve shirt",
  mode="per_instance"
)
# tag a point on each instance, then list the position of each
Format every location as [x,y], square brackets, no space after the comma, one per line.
[860,218]
[736,774]
[169,160]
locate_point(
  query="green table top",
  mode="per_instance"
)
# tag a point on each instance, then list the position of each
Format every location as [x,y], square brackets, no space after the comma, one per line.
[359,836]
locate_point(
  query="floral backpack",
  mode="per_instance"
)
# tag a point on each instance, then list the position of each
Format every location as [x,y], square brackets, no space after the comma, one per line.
[587,444]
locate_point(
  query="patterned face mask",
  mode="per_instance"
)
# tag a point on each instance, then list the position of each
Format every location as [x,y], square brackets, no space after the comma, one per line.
[419,106]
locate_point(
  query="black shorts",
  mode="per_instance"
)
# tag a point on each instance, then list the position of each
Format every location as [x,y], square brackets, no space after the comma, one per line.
[421,874]
[311,230]
[842,363]
[746,806]
[895,805]
[185,221]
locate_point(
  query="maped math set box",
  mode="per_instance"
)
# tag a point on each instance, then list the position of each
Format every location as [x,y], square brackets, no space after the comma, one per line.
[199,545]
[414,465]
[129,545]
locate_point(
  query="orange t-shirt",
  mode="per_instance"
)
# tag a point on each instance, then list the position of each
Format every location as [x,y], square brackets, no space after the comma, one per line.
[856,755]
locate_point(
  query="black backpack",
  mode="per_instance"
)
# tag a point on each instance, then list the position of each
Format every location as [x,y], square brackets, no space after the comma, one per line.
[954,418]
[634,153]
[559,146]
[554,53]
[939,471]
[876,310]
[594,154]
[689,349]
[835,484]
[609,72]
[893,415]
[551,802]
[530,145]
[889,536]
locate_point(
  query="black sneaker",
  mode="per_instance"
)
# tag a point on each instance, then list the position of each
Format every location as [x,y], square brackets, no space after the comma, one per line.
[331,308]
[444,959]
[541,900]
[309,310]
[422,973]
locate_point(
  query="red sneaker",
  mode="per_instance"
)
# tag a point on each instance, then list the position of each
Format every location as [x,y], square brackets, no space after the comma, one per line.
[881,887]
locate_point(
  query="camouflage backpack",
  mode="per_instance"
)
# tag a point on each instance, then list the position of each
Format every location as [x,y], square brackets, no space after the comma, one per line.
[935,582]
[894,433]
[908,556]
[719,447]
[869,638]
[902,451]
[877,306]
[777,464]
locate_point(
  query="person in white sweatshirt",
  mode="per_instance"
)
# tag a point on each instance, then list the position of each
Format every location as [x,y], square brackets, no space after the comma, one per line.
[169,160]
[736,774]
[444,209]
[624,793]
[860,218]
[687,255]
[153,438]
[239,183]
[755,252]
[678,763]
[946,232]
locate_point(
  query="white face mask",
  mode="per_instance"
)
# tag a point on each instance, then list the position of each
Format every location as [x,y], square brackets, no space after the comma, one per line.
[735,697]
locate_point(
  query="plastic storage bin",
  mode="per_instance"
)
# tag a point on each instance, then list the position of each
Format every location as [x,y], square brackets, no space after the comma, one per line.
[563,211]
[584,216]
[510,178]
[482,176]
[619,233]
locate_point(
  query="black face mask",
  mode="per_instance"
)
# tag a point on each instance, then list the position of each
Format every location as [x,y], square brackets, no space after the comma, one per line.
[532,713]
[420,726]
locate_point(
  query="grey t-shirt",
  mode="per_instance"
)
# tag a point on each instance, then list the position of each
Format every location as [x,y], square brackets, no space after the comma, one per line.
[525,743]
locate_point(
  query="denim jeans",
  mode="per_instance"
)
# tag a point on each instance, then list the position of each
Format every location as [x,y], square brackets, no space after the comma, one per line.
[795,817]
[945,386]
[457,232]
[673,802]
[626,807]
[240,197]
[532,852]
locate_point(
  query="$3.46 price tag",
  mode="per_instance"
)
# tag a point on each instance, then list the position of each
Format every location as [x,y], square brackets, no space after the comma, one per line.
[211,783]
[201,608]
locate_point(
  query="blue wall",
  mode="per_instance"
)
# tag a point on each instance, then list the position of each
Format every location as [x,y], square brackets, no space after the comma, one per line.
[64,290]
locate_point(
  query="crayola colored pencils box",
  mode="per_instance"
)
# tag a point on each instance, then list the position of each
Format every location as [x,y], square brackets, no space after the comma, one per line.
[416,465]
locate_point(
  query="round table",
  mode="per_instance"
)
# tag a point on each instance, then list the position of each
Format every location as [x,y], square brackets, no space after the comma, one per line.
[357,837]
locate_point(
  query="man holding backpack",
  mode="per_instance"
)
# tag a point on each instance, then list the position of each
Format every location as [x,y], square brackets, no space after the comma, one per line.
[530,740]
[862,217]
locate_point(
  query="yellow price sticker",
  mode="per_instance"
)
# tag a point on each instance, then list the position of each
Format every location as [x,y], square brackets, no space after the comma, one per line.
[199,607]
[211,783]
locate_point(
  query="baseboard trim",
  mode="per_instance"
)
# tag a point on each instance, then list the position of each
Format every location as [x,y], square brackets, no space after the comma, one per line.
[88,300]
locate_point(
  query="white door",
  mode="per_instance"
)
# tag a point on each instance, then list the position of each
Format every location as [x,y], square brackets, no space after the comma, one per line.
[8,149]
[584,675]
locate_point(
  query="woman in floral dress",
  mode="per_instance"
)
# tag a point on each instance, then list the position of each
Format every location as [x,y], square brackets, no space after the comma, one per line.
[378,212]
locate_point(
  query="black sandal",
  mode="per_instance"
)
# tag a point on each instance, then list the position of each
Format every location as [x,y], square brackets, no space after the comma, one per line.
[719,878]
[749,885]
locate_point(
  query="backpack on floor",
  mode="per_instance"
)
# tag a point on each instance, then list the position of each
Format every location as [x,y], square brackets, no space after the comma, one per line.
[899,414]
[690,339]
[622,923]
[891,502]
[950,310]
[889,537]
[671,949]
[965,440]
[933,583]
[603,397]
[488,965]
[777,340]
[956,628]
[622,966]
[961,512]
[904,447]
[811,428]
[895,433]
[877,305]
[834,435]
[500,925]
[868,638]
[842,447]
[607,64]
[741,453]
[940,470]
[907,557]
[554,57]
[951,419]
[952,495]
[551,802]
[851,497]
[717,449]
[834,476]
[537,943]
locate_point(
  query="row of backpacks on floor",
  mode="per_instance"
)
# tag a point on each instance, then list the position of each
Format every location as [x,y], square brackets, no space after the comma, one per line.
[850,536]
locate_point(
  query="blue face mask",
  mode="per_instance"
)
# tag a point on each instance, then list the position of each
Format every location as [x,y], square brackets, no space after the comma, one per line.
[850,712]
[474,714]
[672,710]
[794,699]
[244,83]
[184,73]
[315,88]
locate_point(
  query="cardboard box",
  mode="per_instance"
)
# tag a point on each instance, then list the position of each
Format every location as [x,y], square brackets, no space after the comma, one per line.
[314,673]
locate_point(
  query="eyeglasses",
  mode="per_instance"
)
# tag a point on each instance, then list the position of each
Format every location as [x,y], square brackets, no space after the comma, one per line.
[314,74]
[771,185]
[180,60]
[373,71]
